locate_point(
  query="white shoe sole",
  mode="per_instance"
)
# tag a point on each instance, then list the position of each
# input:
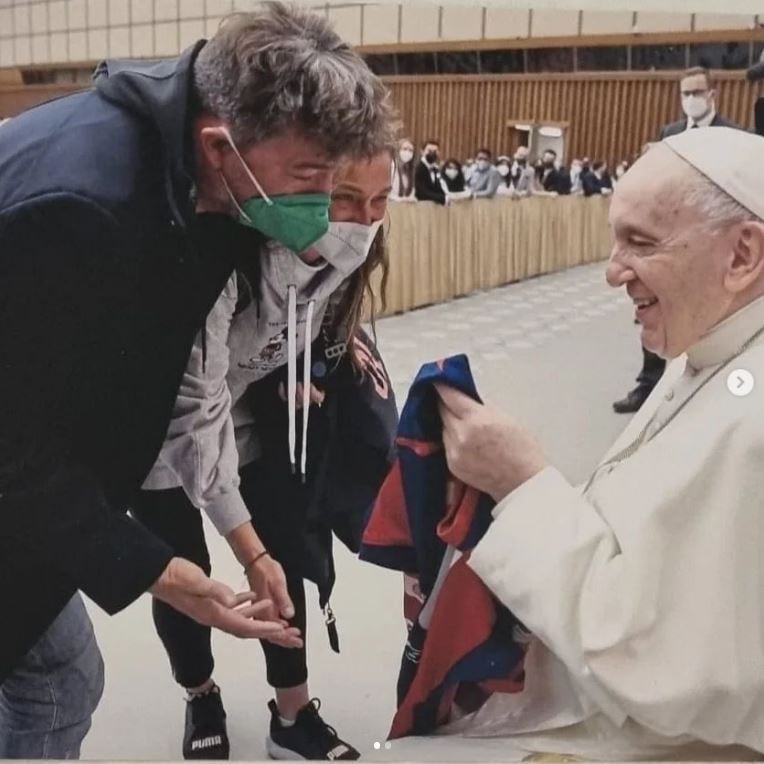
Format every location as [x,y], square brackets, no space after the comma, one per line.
[278,753]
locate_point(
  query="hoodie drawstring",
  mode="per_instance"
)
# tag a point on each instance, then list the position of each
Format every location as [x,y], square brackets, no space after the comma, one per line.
[292,372]
[306,371]
[292,379]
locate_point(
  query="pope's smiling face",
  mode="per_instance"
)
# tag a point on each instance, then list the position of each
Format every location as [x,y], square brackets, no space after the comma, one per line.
[675,269]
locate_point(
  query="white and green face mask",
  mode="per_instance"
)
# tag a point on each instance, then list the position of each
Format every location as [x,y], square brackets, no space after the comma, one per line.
[294,220]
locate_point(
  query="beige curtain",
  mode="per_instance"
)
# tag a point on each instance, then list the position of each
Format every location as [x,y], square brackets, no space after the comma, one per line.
[438,253]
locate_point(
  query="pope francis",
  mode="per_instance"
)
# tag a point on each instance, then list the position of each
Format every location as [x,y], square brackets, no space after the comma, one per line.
[645,587]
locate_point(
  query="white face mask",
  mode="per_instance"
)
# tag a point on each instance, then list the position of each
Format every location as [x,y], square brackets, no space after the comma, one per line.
[345,246]
[695,107]
[503,170]
[452,173]
[483,164]
[406,155]
[344,249]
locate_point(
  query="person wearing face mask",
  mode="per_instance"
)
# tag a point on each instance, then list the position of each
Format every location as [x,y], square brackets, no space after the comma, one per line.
[484,180]
[236,450]
[698,100]
[522,173]
[428,180]
[453,177]
[124,225]
[403,173]
[555,179]
[504,170]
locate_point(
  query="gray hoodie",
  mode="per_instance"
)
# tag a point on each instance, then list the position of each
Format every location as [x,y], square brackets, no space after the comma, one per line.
[212,431]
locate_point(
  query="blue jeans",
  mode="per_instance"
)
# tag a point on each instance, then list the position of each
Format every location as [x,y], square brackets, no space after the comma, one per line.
[46,704]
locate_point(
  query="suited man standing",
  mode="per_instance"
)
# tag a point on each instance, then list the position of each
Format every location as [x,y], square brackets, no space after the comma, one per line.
[698,98]
[698,104]
[428,180]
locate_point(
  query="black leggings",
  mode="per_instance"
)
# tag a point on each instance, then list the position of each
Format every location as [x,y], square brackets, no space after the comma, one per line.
[171,516]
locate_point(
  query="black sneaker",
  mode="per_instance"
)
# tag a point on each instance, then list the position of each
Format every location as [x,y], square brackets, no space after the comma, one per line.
[309,738]
[206,736]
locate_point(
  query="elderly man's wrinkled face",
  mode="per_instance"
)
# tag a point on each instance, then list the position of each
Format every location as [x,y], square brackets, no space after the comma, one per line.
[672,266]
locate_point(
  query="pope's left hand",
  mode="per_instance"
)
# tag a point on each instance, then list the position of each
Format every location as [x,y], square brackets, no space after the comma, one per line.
[485,449]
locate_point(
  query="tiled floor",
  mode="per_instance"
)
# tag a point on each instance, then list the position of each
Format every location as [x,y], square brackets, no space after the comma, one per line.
[554,352]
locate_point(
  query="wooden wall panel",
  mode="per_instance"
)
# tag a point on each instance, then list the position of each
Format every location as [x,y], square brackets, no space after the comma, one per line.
[611,115]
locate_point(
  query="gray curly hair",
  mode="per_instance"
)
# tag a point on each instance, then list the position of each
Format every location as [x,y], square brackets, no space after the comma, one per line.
[284,66]
[717,208]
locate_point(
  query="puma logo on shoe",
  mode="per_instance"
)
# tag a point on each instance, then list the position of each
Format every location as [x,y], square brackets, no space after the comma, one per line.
[206,742]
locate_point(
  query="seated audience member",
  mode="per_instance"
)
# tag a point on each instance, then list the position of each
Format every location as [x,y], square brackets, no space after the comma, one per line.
[642,588]
[453,177]
[555,179]
[428,181]
[504,169]
[403,173]
[484,180]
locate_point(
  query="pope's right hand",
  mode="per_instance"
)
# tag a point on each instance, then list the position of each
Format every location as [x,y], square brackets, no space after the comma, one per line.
[185,587]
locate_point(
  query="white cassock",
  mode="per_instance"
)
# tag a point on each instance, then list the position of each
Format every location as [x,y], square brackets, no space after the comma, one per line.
[645,589]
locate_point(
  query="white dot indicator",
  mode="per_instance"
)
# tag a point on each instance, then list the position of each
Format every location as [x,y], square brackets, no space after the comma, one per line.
[377,746]
[388,746]
[740,382]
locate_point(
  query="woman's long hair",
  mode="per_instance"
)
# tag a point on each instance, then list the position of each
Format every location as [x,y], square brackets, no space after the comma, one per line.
[404,171]
[359,299]
[359,296]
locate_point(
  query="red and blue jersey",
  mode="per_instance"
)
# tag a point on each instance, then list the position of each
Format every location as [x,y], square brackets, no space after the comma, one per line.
[463,644]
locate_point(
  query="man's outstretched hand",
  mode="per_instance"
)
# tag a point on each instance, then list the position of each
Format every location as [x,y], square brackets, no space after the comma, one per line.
[185,587]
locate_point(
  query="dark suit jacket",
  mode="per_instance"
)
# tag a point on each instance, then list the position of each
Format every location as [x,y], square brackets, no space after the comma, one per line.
[591,184]
[679,127]
[427,189]
[558,181]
